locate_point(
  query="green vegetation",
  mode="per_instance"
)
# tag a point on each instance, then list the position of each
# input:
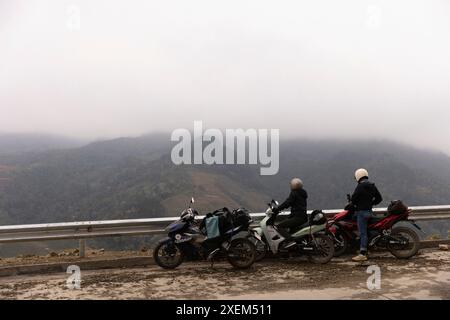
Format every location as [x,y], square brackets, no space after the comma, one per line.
[135,178]
[434,237]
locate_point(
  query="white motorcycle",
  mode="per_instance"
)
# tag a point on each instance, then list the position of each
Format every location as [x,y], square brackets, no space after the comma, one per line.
[311,239]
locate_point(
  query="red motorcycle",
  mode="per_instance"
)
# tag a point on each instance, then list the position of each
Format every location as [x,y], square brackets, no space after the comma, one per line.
[383,232]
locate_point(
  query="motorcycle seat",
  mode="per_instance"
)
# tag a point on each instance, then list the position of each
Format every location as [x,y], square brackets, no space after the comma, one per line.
[298,228]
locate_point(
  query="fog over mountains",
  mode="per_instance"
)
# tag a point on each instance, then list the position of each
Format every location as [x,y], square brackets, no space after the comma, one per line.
[135,178]
[11,143]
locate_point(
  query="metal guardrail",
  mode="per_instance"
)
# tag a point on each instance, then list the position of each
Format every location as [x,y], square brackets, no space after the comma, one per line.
[136,227]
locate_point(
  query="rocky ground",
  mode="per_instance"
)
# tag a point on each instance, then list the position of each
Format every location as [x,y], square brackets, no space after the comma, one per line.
[426,276]
[70,256]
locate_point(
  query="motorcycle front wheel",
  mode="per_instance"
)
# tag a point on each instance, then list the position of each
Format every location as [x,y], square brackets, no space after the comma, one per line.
[407,250]
[324,249]
[241,254]
[167,255]
[341,244]
[261,248]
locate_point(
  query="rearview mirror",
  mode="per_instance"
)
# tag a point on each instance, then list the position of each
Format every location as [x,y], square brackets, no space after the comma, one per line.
[192,200]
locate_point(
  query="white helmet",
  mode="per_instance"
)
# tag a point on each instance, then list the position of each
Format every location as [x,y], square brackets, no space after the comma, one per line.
[361,173]
[296,183]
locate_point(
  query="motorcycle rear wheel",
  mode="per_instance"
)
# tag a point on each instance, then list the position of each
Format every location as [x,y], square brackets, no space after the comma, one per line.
[325,249]
[241,254]
[413,243]
[168,256]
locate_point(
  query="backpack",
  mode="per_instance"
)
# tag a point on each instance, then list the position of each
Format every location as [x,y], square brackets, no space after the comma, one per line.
[212,227]
[241,217]
[217,223]
[397,207]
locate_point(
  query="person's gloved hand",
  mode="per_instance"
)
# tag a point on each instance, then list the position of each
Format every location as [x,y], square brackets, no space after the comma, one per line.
[275,210]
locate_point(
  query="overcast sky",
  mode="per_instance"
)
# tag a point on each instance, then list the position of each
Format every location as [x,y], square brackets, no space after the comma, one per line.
[311,68]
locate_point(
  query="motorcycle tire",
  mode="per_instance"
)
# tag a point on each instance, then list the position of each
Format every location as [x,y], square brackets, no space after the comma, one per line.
[326,249]
[161,256]
[261,248]
[413,239]
[340,247]
[241,254]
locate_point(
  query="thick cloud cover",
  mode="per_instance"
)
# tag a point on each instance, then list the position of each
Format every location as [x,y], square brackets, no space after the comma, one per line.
[311,68]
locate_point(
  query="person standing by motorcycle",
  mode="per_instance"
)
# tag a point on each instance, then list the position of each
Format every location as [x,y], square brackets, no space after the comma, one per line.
[365,196]
[297,201]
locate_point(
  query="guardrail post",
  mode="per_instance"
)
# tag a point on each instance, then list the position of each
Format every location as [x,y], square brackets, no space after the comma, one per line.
[82,250]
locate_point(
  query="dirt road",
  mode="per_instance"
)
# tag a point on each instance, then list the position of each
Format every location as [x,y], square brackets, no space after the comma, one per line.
[426,276]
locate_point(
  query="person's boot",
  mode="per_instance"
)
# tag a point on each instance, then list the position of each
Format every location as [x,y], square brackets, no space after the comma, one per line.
[362,256]
[288,243]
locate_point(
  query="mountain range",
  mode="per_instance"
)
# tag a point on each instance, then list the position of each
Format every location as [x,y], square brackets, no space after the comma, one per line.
[61,181]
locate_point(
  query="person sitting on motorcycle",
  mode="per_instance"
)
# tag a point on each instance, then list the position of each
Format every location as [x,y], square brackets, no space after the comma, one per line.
[297,202]
[365,196]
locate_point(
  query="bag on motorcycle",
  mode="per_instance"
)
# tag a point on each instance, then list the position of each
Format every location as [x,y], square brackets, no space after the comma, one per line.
[397,207]
[222,222]
[212,227]
[241,217]
[227,220]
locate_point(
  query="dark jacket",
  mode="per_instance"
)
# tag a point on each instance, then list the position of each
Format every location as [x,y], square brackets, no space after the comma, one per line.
[296,201]
[366,195]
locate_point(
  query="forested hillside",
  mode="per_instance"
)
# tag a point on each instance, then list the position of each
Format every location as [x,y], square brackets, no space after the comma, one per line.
[135,178]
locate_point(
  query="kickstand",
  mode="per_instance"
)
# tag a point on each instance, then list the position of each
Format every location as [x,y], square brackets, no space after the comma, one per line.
[211,257]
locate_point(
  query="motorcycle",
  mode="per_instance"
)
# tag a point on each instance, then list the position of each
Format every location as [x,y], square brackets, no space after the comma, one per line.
[309,239]
[403,242]
[186,241]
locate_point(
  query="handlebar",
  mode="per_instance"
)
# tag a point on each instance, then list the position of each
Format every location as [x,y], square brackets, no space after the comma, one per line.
[272,204]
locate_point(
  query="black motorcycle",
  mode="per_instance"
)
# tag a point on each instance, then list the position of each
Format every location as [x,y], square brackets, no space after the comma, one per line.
[187,241]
